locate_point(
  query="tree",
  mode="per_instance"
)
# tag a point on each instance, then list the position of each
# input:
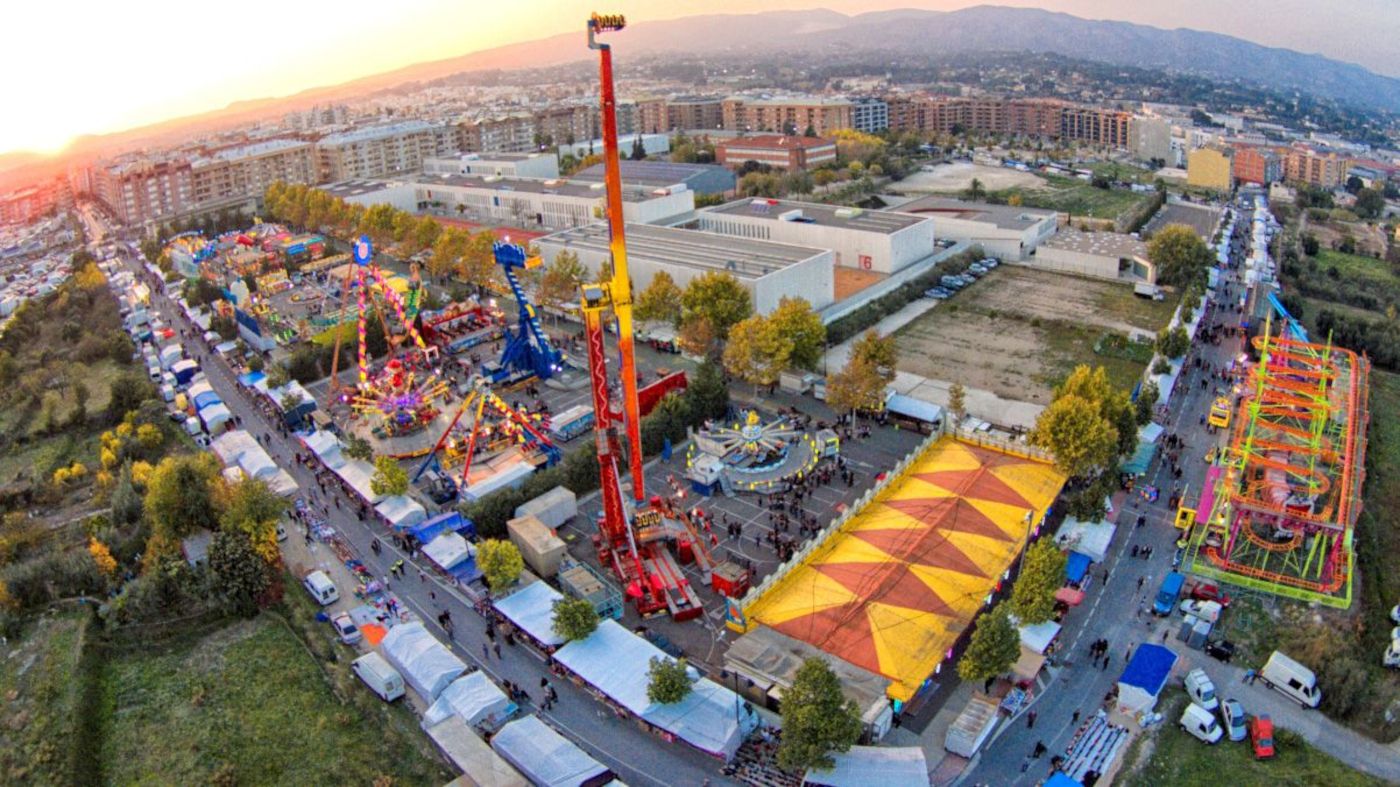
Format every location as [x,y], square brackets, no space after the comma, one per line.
[125,501]
[1113,404]
[478,261]
[1146,402]
[697,337]
[241,574]
[1310,244]
[802,328]
[756,352]
[975,190]
[661,300]
[1369,203]
[957,401]
[638,151]
[669,680]
[1174,342]
[1081,439]
[425,232]
[878,351]
[277,376]
[357,447]
[181,496]
[1180,255]
[102,556]
[574,618]
[858,386]
[717,297]
[707,394]
[389,479]
[817,718]
[561,279]
[1354,184]
[1042,573]
[993,648]
[128,391]
[252,508]
[500,562]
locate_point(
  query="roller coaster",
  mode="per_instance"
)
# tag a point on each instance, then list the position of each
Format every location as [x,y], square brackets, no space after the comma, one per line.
[1285,502]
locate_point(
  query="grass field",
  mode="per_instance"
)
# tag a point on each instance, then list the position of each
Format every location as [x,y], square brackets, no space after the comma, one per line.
[39,691]
[1178,758]
[247,704]
[1076,197]
[1355,266]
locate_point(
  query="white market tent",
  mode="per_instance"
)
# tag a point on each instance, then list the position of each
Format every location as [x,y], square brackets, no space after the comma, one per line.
[472,698]
[888,766]
[327,446]
[1090,539]
[401,511]
[544,756]
[480,766]
[425,663]
[357,473]
[214,417]
[448,550]
[240,449]
[1039,636]
[531,609]
[616,662]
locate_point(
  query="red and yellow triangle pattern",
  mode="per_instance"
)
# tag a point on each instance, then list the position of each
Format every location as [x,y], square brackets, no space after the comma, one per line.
[895,587]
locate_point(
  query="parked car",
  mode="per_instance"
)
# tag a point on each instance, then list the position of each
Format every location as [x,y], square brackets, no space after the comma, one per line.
[1232,714]
[1220,650]
[1201,690]
[977,270]
[1205,591]
[1261,736]
[1200,723]
[990,263]
[346,630]
[1291,679]
[937,293]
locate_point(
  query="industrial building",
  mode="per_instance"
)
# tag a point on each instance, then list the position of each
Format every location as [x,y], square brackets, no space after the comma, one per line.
[1102,255]
[1011,233]
[784,152]
[510,165]
[769,271]
[873,240]
[699,178]
[532,203]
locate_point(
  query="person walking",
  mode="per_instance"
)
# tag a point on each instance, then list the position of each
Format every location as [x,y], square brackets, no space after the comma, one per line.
[1030,720]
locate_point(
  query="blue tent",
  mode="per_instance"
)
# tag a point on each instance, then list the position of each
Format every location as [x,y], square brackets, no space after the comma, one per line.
[1141,459]
[1077,566]
[1058,779]
[251,379]
[453,521]
[1144,677]
[206,399]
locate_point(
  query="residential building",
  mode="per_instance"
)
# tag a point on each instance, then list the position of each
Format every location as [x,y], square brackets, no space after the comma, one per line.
[1210,168]
[1304,165]
[1037,117]
[788,115]
[1003,231]
[511,165]
[1095,125]
[144,190]
[1256,165]
[241,174]
[873,240]
[1150,138]
[768,271]
[870,115]
[679,113]
[382,151]
[512,133]
[699,178]
[1101,255]
[22,206]
[792,152]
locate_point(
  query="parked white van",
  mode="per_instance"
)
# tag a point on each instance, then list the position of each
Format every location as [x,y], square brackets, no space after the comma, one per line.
[1201,724]
[381,678]
[1200,689]
[1291,679]
[321,588]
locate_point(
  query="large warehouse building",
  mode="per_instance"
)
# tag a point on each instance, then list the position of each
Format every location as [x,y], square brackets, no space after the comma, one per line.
[872,240]
[510,165]
[1103,255]
[1011,233]
[768,270]
[532,203]
[699,178]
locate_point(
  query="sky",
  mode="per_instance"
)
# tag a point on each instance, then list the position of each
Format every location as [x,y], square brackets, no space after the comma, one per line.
[79,66]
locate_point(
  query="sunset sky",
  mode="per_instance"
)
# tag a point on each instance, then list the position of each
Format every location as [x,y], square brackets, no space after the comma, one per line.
[87,67]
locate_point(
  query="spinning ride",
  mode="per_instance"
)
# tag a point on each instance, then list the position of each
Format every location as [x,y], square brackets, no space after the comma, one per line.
[755,456]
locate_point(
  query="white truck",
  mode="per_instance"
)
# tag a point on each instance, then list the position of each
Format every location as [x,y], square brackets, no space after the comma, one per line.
[1144,290]
[1201,724]
[1201,690]
[377,673]
[1291,679]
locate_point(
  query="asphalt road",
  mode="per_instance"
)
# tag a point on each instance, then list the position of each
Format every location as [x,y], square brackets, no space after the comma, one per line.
[636,756]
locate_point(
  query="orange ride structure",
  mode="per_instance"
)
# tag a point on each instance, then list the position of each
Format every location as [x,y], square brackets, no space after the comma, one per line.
[634,537]
[1281,517]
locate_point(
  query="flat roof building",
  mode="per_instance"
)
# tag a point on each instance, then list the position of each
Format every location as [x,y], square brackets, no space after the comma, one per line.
[768,271]
[1005,231]
[873,240]
[382,151]
[1210,168]
[699,178]
[1102,255]
[241,174]
[784,152]
[511,165]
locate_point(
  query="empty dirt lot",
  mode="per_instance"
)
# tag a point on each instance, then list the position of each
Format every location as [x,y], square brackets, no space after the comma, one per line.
[948,178]
[1018,331]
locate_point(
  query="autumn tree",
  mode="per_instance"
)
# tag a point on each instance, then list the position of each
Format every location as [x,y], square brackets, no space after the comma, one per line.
[1072,429]
[879,351]
[1113,403]
[668,680]
[1042,573]
[242,576]
[424,233]
[102,556]
[756,352]
[1180,255]
[857,387]
[448,249]
[817,718]
[717,297]
[182,497]
[478,262]
[697,337]
[559,284]
[798,324]
[957,401]
[389,479]
[252,508]
[574,618]
[500,562]
[994,647]
[661,300]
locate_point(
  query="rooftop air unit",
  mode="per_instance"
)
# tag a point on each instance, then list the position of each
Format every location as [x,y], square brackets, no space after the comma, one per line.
[791,215]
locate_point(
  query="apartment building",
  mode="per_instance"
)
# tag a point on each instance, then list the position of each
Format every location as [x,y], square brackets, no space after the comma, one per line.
[143,190]
[1305,165]
[1209,167]
[870,115]
[22,206]
[788,115]
[513,133]
[238,174]
[1257,165]
[380,151]
[1095,125]
[678,113]
[1038,117]
[784,152]
[1150,138]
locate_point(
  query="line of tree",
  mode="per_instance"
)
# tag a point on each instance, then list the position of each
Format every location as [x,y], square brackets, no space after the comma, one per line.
[1088,427]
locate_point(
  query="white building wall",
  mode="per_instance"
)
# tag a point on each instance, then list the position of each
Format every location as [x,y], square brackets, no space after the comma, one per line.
[403,196]
[887,252]
[1079,263]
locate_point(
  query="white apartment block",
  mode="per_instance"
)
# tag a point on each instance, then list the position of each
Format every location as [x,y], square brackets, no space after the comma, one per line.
[395,149]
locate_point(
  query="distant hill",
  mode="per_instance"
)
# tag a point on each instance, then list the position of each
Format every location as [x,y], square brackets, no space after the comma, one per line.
[814,32]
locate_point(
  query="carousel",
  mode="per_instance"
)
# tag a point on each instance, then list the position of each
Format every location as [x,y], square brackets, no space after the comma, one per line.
[755,456]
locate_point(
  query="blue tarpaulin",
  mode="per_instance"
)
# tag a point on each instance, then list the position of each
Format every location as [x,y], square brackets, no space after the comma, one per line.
[452,521]
[1058,779]
[206,399]
[1149,668]
[251,379]
[1077,566]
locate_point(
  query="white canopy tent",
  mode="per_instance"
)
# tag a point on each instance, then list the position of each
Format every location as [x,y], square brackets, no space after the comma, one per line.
[480,766]
[544,756]
[328,447]
[425,663]
[1090,539]
[215,417]
[1039,636]
[531,609]
[474,699]
[888,766]
[401,511]
[448,550]
[615,661]
[358,473]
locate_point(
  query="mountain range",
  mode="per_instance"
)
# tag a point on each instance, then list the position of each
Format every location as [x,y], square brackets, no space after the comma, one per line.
[888,34]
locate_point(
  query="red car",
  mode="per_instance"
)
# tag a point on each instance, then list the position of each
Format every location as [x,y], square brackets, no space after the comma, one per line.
[1204,591]
[1261,737]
